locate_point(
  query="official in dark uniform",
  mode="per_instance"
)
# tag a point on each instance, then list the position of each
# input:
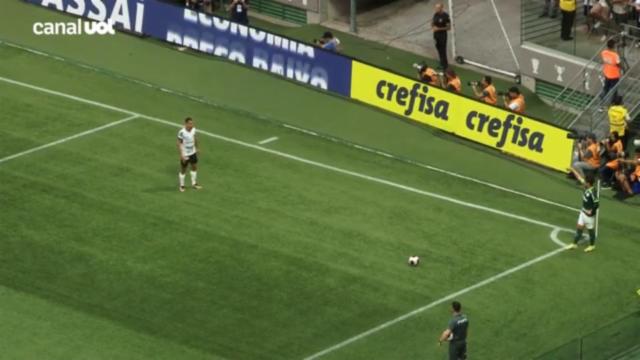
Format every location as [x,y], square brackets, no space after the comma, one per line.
[440,24]
[456,333]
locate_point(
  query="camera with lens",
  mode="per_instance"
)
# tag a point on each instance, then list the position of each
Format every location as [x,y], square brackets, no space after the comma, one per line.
[418,66]
[473,83]
[636,142]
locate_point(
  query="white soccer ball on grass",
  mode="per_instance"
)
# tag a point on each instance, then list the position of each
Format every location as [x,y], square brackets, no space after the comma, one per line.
[413,260]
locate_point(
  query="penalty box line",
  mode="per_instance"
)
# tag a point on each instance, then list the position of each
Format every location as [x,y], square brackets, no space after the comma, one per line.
[68,138]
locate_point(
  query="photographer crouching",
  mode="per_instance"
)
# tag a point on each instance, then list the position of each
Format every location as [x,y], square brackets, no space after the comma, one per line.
[428,75]
[513,100]
[484,90]
[328,42]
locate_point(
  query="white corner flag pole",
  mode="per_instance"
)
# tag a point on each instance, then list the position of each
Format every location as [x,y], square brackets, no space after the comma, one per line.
[453,30]
[598,211]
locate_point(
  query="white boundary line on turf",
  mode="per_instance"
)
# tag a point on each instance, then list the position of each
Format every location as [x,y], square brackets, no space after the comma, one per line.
[435,303]
[555,229]
[293,157]
[308,132]
[63,140]
[432,168]
[266,141]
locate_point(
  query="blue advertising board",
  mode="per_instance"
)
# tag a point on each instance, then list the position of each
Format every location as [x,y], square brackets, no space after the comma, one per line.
[242,44]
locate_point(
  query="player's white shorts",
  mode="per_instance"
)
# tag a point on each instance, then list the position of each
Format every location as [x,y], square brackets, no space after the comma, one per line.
[584,220]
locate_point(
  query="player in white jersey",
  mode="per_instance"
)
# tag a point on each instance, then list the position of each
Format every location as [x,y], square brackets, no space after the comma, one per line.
[188,149]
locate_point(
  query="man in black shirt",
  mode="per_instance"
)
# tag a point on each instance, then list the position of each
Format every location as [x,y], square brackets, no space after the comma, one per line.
[456,333]
[440,24]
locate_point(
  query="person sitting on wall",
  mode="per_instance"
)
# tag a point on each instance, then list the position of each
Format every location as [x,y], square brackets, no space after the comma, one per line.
[630,180]
[485,91]
[588,156]
[328,42]
[614,151]
[427,74]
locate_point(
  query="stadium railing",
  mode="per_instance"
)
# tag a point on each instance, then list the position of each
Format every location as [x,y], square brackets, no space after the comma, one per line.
[616,340]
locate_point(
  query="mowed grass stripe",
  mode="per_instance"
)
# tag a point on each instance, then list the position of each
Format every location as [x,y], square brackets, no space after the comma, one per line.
[260,233]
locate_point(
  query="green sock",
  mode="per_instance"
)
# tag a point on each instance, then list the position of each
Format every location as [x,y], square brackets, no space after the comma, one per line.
[592,237]
[578,236]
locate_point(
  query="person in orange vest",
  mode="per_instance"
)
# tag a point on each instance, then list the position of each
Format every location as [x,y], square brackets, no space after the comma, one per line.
[514,101]
[630,184]
[453,81]
[568,9]
[428,75]
[485,90]
[611,68]
[589,156]
[614,152]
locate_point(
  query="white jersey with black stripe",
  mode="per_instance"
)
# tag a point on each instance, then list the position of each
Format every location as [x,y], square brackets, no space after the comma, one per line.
[188,139]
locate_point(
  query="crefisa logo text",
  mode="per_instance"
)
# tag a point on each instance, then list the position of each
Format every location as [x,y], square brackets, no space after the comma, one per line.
[71,28]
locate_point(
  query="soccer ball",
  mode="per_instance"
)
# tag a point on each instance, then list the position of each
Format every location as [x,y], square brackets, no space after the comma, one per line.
[413,260]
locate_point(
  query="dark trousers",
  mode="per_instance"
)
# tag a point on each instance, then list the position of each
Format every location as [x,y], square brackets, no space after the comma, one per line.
[568,17]
[441,46]
[608,85]
[457,350]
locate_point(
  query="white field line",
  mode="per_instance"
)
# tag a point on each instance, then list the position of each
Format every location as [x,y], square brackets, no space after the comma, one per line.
[308,132]
[494,278]
[63,140]
[266,141]
[432,168]
[442,300]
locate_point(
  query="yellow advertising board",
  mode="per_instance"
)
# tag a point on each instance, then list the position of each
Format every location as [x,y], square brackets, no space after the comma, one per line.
[511,133]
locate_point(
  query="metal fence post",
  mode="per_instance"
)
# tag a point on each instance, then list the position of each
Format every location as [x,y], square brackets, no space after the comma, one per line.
[353,24]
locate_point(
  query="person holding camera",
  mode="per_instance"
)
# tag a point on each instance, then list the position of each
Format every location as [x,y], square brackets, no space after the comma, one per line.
[328,42]
[614,151]
[588,156]
[427,74]
[513,100]
[453,81]
[239,11]
[485,90]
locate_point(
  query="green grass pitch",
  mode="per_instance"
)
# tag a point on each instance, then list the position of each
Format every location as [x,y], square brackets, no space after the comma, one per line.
[292,247]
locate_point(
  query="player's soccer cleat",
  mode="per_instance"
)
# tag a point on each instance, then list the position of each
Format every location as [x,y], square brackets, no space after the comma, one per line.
[197,186]
[181,188]
[571,247]
[590,248]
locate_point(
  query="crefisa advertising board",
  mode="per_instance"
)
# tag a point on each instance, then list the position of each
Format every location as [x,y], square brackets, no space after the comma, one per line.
[519,136]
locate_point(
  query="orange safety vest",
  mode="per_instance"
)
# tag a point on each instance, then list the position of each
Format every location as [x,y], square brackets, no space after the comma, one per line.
[521,105]
[432,75]
[610,64]
[594,160]
[491,97]
[456,84]
[617,147]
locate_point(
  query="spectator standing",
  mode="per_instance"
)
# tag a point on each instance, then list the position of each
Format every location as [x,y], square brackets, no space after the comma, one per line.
[486,91]
[568,8]
[618,118]
[453,81]
[611,68]
[514,100]
[440,25]
[550,8]
[239,11]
